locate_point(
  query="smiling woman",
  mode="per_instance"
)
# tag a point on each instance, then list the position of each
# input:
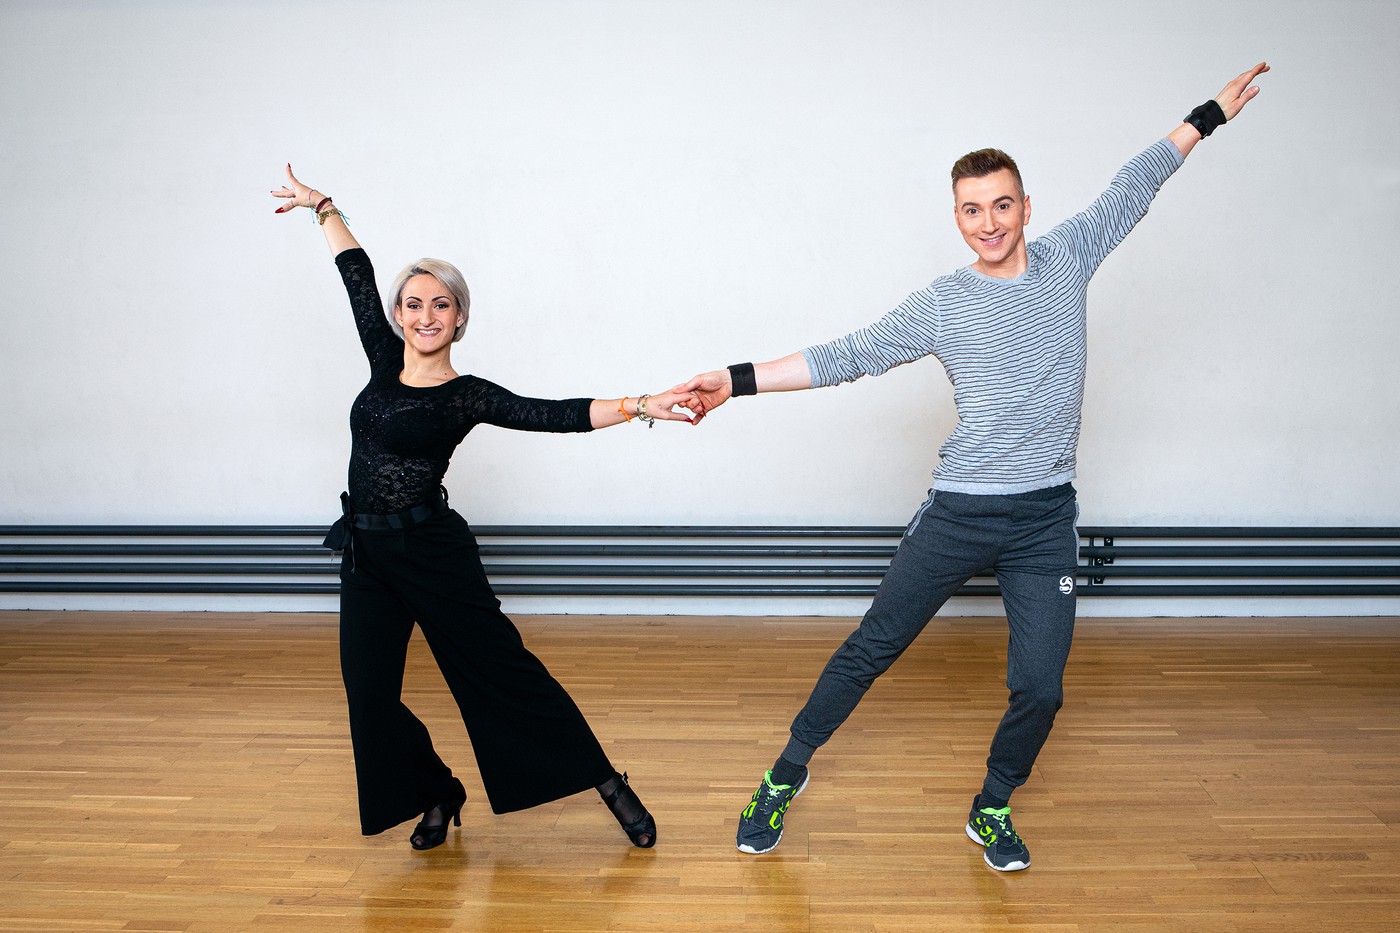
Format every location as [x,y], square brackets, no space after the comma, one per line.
[427,313]
[430,277]
[408,558]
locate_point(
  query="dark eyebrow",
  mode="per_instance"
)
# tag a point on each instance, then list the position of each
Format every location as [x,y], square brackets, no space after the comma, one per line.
[416,298]
[995,201]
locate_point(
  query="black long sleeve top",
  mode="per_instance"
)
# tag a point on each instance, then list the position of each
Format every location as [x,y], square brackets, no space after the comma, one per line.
[403,436]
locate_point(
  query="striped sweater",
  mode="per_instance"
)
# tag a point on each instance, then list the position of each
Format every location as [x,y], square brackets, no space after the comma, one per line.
[1014,349]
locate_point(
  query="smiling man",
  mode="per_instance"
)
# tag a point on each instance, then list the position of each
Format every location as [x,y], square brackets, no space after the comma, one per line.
[1010,331]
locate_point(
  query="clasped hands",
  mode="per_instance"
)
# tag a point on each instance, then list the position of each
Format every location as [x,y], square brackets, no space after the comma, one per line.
[700,395]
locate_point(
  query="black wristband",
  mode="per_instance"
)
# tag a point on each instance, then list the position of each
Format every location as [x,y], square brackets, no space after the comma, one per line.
[1206,117]
[742,377]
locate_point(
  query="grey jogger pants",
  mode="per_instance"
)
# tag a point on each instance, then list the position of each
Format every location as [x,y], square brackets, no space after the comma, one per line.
[1030,541]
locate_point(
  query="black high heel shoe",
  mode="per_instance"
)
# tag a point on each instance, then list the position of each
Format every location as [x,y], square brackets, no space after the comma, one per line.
[624,802]
[431,835]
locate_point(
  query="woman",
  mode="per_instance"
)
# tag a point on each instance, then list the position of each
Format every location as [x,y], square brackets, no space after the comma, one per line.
[409,558]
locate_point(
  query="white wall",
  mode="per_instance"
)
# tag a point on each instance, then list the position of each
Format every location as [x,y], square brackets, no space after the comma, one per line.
[640,190]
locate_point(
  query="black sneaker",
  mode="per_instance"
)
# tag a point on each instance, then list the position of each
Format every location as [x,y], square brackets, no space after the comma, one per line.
[1002,849]
[761,823]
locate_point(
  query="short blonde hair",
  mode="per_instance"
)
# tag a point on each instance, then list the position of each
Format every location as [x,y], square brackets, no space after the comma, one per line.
[446,273]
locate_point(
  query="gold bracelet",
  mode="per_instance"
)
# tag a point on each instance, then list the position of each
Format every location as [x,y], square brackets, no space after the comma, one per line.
[321,216]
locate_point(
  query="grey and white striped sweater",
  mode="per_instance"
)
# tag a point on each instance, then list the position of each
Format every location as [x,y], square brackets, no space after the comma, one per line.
[1014,349]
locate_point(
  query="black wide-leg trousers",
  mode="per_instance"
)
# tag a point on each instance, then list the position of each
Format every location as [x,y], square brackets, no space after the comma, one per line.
[531,742]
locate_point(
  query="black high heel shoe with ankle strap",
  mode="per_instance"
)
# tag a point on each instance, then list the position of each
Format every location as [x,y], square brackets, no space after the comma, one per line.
[623,801]
[428,835]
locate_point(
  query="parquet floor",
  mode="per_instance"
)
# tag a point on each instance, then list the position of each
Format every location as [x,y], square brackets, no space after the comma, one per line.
[164,772]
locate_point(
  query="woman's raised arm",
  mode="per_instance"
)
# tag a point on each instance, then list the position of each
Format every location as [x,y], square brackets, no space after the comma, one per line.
[338,235]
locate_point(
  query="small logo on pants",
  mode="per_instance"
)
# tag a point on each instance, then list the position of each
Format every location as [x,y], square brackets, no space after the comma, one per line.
[1067,584]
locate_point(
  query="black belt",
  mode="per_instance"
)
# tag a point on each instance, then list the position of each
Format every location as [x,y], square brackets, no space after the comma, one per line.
[402,521]
[341,538]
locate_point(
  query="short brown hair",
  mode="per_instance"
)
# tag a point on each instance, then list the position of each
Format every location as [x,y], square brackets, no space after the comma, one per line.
[985,162]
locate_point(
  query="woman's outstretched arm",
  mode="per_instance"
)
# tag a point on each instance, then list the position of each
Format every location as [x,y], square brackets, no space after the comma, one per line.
[338,235]
[605,413]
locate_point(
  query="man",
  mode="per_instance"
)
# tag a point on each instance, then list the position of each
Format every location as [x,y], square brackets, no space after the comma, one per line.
[1010,331]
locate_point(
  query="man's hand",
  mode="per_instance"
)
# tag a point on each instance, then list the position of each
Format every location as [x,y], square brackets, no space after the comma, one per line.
[1239,92]
[1231,100]
[713,389]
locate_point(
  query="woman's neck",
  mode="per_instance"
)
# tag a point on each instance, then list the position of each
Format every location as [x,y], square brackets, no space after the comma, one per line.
[420,370]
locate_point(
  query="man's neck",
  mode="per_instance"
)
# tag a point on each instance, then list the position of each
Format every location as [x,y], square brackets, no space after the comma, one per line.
[1008,268]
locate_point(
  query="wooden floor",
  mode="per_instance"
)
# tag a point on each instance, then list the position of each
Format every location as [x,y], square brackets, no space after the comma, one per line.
[192,772]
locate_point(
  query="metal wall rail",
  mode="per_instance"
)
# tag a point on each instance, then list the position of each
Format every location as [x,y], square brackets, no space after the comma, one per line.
[783,561]
[1092,532]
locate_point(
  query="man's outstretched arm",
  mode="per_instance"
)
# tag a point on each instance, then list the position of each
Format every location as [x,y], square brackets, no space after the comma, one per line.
[717,387]
[1230,101]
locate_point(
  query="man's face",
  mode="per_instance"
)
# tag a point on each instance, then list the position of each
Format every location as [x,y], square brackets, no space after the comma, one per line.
[992,212]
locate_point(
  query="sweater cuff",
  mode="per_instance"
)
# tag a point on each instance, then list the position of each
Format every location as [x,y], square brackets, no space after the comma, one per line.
[583,418]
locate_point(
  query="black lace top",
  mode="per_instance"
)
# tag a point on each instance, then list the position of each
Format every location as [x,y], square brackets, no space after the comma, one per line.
[403,436]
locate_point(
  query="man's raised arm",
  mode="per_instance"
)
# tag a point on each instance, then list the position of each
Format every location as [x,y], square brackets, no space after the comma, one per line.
[1224,106]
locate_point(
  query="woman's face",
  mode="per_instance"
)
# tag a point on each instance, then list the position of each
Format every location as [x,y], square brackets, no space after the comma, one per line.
[428,314]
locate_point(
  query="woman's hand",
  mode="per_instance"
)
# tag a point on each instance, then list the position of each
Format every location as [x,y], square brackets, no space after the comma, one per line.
[338,235]
[605,413]
[662,405]
[297,194]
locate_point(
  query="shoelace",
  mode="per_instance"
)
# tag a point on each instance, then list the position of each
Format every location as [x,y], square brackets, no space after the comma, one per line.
[1003,824]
